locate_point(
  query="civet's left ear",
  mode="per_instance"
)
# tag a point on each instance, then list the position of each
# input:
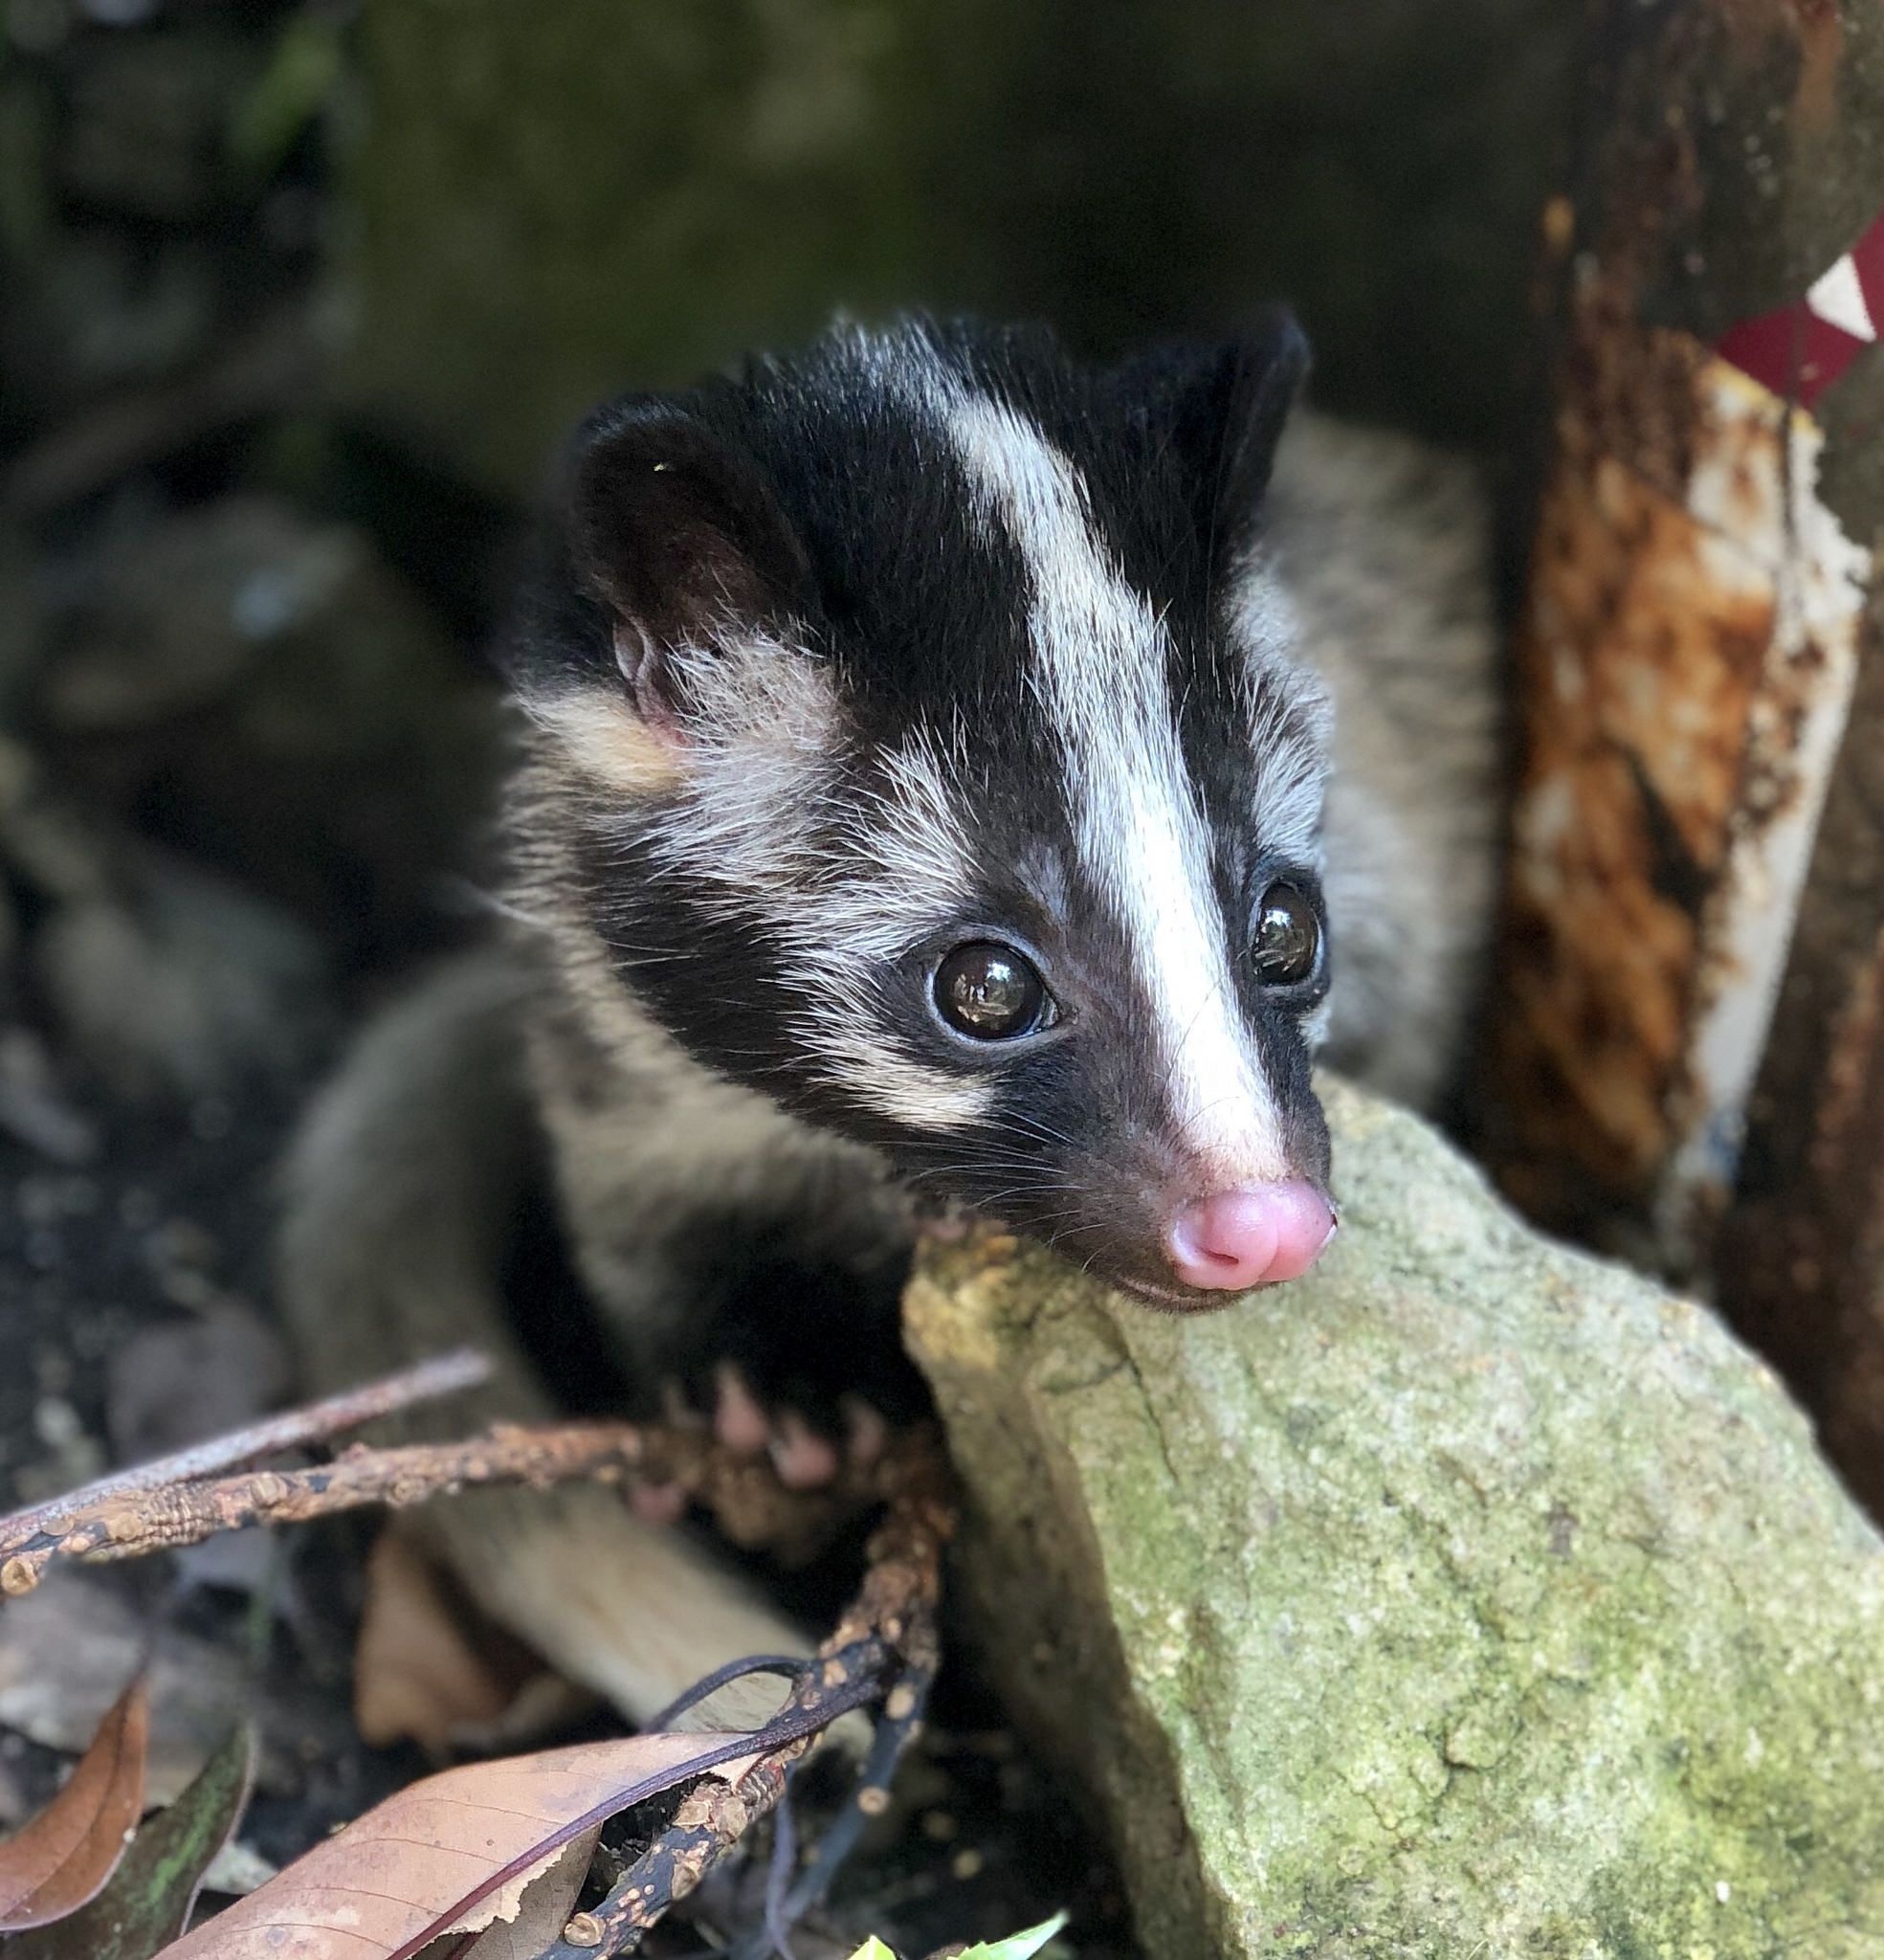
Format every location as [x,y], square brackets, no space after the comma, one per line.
[1225,404]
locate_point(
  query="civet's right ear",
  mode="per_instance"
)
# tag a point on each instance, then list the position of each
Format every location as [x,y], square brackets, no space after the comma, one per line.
[678,534]
[1223,404]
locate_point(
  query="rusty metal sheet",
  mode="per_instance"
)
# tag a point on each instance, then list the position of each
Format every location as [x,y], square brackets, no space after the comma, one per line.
[1687,651]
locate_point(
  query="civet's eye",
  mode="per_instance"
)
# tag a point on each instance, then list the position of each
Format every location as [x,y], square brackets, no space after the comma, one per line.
[1287,940]
[990,992]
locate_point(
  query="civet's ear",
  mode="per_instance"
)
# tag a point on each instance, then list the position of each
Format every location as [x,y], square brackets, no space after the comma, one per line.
[677,532]
[1225,403]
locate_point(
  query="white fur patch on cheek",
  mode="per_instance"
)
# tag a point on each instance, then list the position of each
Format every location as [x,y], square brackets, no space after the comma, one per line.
[744,796]
[840,1026]
[762,723]
[905,862]
[902,865]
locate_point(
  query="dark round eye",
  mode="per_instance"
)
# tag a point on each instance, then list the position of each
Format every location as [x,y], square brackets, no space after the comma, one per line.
[1287,939]
[990,991]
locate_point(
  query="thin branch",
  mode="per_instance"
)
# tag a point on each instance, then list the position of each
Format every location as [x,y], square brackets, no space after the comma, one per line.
[887,1638]
[904,1708]
[446,1374]
[130,1524]
[176,1502]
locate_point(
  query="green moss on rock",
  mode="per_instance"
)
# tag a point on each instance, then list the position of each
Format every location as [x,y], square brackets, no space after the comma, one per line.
[1469,1597]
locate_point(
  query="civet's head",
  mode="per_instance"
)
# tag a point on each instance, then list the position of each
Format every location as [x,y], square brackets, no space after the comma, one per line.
[931,758]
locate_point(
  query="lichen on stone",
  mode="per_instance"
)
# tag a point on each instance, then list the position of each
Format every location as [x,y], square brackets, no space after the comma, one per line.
[1470,1596]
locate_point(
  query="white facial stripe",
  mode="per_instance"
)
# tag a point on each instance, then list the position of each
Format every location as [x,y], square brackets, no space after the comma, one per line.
[1141,833]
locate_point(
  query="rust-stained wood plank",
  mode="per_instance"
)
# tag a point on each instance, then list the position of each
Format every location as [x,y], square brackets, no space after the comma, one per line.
[1691,1013]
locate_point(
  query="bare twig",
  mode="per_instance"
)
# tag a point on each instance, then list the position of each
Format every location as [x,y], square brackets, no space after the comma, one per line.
[900,1723]
[131,1524]
[178,1500]
[887,1639]
[23,1534]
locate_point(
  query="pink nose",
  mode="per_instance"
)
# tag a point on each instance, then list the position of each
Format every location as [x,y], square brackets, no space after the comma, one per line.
[1252,1237]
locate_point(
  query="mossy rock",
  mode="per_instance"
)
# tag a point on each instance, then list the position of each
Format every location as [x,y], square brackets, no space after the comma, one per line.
[1469,1598]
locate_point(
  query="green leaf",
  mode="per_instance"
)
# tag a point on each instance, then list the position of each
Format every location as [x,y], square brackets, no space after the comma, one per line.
[147,1902]
[1018,1946]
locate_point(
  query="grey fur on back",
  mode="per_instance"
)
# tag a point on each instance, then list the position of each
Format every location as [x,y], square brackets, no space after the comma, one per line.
[1382,544]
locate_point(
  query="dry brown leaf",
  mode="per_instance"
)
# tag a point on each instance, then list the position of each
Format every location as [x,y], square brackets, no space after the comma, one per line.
[155,1887]
[428,1667]
[528,1917]
[415,1672]
[65,1855]
[543,1909]
[430,1858]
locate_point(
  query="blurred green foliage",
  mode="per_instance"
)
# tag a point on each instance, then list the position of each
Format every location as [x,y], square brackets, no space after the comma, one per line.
[549,203]
[291,94]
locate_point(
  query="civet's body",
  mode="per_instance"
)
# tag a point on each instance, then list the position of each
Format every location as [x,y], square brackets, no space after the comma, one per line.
[951,774]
